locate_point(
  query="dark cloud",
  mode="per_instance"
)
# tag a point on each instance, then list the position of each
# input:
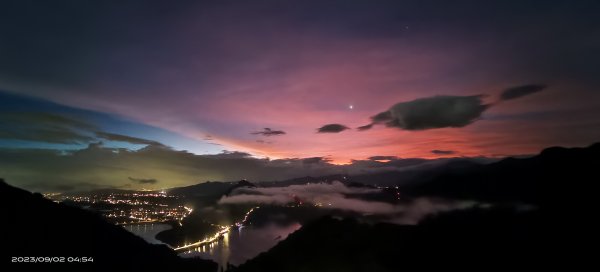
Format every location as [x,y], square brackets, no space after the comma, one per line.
[382,117]
[391,163]
[332,128]
[226,154]
[433,112]
[98,164]
[38,169]
[124,138]
[268,132]
[43,127]
[400,163]
[264,142]
[382,158]
[443,152]
[57,136]
[365,127]
[315,160]
[45,118]
[59,128]
[520,91]
[47,124]
[143,181]
[443,111]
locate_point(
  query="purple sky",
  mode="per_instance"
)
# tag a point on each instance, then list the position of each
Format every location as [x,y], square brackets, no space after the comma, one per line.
[220,71]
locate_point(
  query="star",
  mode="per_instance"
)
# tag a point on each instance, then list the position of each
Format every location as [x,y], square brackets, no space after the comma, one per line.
[351,107]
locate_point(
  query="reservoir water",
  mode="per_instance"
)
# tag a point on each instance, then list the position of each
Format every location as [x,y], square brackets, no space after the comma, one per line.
[148,231]
[240,245]
[236,247]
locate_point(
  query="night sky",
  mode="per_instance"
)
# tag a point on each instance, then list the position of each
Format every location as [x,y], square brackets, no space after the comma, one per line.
[156,94]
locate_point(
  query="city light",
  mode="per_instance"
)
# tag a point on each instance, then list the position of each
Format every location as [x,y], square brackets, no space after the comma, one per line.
[130,207]
[224,230]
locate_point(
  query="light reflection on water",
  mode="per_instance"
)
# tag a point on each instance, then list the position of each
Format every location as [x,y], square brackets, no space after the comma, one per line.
[242,244]
[148,231]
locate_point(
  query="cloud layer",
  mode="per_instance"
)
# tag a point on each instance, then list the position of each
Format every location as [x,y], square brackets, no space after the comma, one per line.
[443,111]
[315,160]
[268,132]
[158,166]
[143,181]
[383,158]
[58,128]
[433,112]
[520,91]
[332,128]
[44,127]
[331,196]
[443,152]
[124,138]
[336,196]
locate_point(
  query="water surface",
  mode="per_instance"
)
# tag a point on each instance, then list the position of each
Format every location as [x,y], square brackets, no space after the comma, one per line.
[240,245]
[148,231]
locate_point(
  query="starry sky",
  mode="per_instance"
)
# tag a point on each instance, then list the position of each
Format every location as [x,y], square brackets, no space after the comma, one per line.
[295,87]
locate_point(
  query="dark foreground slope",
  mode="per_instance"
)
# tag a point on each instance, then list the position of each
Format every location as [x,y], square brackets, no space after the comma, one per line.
[36,227]
[472,240]
[459,240]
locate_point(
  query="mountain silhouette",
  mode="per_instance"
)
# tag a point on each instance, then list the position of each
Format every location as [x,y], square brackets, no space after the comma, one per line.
[556,177]
[240,184]
[204,189]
